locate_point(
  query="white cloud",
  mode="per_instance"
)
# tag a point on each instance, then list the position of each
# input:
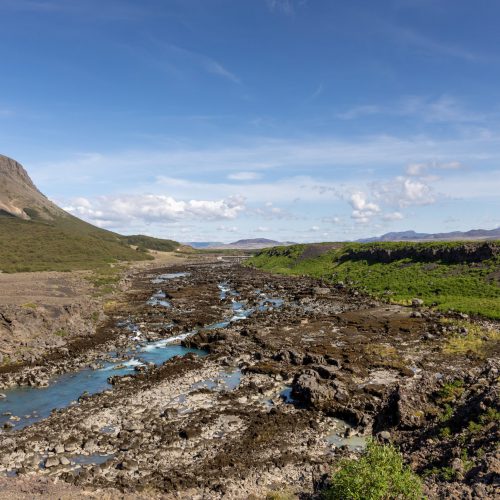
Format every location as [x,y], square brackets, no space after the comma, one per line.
[359,202]
[393,216]
[262,229]
[290,155]
[444,109]
[419,169]
[363,210]
[107,211]
[404,191]
[416,168]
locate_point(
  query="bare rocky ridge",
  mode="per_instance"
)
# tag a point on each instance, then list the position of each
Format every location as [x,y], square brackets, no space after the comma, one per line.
[19,197]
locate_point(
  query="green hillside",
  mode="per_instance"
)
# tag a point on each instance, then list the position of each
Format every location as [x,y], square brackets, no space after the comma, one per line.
[461,276]
[150,243]
[64,244]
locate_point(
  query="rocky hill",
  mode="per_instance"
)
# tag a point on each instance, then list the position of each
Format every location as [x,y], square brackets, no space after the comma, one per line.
[37,235]
[19,197]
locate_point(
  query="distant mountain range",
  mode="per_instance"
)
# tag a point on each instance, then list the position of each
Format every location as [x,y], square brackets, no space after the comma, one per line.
[246,244]
[473,234]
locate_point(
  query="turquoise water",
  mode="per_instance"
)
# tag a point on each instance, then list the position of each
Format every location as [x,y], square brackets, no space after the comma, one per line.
[32,404]
[36,403]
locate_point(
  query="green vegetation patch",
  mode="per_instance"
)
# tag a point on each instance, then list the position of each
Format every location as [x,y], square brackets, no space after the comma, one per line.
[443,275]
[65,244]
[377,475]
[150,243]
[469,337]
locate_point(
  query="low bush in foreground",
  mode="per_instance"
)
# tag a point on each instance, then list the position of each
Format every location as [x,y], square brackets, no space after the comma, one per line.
[379,474]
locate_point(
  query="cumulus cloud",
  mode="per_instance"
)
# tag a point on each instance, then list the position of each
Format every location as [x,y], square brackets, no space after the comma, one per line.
[363,210]
[405,191]
[393,216]
[107,211]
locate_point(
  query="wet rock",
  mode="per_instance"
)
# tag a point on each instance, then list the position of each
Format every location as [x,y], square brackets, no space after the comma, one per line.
[71,445]
[51,462]
[64,461]
[417,302]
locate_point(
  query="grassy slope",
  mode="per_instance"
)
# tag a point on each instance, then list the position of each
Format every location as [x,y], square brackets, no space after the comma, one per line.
[63,245]
[470,288]
[150,243]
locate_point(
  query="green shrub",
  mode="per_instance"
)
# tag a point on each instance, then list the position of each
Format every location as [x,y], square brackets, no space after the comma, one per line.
[379,474]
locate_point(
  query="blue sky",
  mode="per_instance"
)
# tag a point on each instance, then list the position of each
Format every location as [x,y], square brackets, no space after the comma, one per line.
[303,120]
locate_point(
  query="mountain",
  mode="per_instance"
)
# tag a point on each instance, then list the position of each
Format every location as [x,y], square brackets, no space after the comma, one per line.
[20,198]
[473,234]
[36,234]
[249,244]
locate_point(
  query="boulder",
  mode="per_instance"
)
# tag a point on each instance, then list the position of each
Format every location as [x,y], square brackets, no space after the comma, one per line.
[417,302]
[52,462]
[309,388]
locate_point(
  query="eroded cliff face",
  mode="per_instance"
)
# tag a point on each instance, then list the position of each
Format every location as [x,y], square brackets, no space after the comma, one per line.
[19,196]
[449,254]
[43,311]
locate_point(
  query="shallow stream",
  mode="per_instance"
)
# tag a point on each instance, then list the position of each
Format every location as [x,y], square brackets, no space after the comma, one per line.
[24,406]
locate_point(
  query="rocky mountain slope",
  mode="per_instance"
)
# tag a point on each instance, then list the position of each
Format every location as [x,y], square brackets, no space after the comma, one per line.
[37,235]
[19,197]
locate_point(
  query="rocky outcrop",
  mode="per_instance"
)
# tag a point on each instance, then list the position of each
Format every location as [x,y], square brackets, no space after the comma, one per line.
[19,196]
[445,253]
